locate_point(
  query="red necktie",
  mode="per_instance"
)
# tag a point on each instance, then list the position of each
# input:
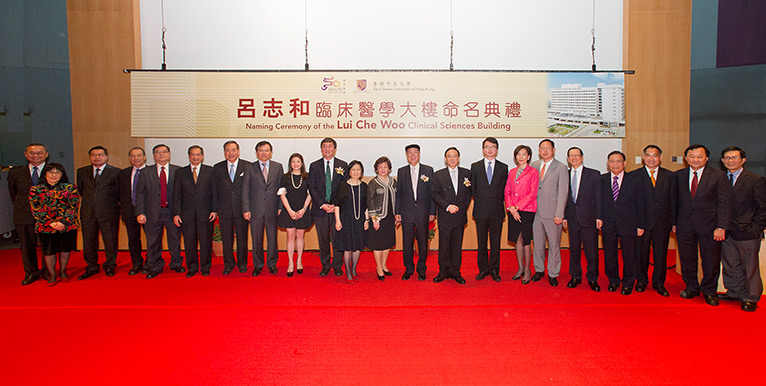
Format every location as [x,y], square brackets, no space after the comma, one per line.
[163,188]
[694,185]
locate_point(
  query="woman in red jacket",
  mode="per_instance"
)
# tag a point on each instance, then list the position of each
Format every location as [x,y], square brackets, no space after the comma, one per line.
[521,203]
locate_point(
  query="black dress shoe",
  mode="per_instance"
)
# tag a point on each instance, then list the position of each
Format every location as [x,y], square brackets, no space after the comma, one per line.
[725,296]
[205,273]
[338,272]
[553,281]
[191,273]
[109,272]
[439,278]
[257,271]
[273,270]
[421,276]
[711,299]
[382,277]
[594,286]
[299,270]
[227,271]
[29,279]
[749,306]
[459,279]
[481,275]
[289,274]
[537,276]
[243,269]
[179,269]
[324,271]
[388,273]
[495,276]
[686,294]
[135,270]
[662,291]
[612,287]
[86,275]
[406,276]
[626,291]
[640,287]
[573,282]
[145,270]
[153,274]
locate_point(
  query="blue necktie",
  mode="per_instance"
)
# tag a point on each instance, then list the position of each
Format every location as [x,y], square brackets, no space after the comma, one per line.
[575,184]
[133,189]
[489,173]
[35,176]
[231,172]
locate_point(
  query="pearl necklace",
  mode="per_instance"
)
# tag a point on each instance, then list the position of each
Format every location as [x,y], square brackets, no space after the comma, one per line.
[357,212]
[292,182]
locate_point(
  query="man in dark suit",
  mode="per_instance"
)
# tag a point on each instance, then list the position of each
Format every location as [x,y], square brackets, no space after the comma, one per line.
[488,176]
[739,252]
[127,181]
[451,191]
[325,176]
[704,215]
[154,204]
[414,210]
[622,218]
[228,177]
[580,214]
[194,211]
[20,179]
[261,205]
[99,211]
[658,186]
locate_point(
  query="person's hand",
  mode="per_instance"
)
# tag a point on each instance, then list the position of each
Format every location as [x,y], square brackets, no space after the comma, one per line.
[141,219]
[366,224]
[431,217]
[719,234]
[375,224]
[398,218]
[516,215]
[246,215]
[213,216]
[452,208]
[599,224]
[558,220]
[177,220]
[566,226]
[338,226]
[639,232]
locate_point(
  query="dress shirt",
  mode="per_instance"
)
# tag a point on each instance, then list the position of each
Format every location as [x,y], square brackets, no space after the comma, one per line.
[414,175]
[579,179]
[619,178]
[699,176]
[734,175]
[453,173]
[167,171]
[39,169]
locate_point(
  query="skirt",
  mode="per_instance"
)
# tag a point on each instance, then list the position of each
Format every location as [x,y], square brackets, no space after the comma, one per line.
[53,243]
[524,227]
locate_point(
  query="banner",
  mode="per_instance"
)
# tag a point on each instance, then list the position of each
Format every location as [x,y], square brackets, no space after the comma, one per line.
[376,104]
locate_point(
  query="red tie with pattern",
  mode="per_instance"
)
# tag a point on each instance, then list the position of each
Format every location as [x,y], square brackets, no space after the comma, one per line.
[694,185]
[163,188]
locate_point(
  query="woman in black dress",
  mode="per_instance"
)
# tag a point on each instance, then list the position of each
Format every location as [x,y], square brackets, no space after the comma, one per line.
[351,219]
[296,215]
[54,204]
[381,201]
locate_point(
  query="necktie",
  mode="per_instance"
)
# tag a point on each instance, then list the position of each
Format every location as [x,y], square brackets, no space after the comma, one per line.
[654,181]
[453,174]
[133,188]
[265,171]
[489,173]
[542,172]
[575,185]
[231,172]
[98,173]
[414,178]
[35,176]
[695,181]
[194,174]
[615,189]
[731,179]
[327,182]
[163,188]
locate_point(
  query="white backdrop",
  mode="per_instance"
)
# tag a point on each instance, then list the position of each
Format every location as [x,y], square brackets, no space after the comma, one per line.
[392,34]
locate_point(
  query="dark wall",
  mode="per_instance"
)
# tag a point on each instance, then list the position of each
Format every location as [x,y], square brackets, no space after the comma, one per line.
[35,98]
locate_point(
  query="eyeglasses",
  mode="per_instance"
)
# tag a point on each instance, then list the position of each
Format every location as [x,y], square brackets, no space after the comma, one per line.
[161,152]
[490,147]
[53,172]
[734,158]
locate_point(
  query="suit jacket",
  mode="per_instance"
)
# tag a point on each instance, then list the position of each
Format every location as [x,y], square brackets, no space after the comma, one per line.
[19,182]
[443,194]
[148,191]
[317,183]
[259,196]
[659,200]
[192,200]
[748,207]
[488,197]
[127,209]
[586,210]
[410,209]
[229,193]
[627,213]
[99,198]
[553,190]
[711,206]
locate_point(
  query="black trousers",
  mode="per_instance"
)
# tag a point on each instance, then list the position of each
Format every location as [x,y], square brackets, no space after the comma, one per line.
[450,250]
[28,246]
[154,242]
[325,226]
[612,263]
[492,227]
[109,229]
[583,240]
[412,231]
[709,253]
[133,229]
[229,226]
[257,227]
[197,230]
[656,240]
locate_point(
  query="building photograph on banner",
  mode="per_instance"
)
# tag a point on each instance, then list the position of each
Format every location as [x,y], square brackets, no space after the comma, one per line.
[379,104]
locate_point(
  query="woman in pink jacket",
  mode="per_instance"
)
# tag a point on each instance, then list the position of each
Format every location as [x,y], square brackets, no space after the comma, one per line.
[521,203]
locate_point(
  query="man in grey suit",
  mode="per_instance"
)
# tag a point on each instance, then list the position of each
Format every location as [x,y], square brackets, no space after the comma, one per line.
[551,202]
[154,205]
[261,205]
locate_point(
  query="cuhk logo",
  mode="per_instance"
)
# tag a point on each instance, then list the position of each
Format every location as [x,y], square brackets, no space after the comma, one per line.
[361,84]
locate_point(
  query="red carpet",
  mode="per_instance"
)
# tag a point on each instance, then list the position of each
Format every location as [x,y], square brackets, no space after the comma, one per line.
[310,330]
